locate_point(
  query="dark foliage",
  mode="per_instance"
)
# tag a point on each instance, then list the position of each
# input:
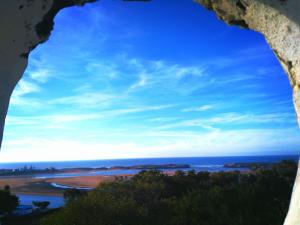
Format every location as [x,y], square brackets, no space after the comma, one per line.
[41,205]
[30,219]
[152,198]
[74,194]
[8,201]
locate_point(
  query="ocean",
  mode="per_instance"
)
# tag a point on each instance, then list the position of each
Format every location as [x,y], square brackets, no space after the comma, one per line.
[211,164]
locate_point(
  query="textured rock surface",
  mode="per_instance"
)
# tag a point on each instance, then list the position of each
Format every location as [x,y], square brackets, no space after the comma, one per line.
[293,217]
[24,24]
[279,22]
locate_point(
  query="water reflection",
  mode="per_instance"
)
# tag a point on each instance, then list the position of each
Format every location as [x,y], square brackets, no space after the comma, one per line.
[55,201]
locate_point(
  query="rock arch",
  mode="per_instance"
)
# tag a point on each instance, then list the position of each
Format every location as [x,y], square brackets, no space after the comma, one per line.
[27,23]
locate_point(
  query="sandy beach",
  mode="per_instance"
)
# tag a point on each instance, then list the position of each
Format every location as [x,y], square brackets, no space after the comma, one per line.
[38,186]
[42,186]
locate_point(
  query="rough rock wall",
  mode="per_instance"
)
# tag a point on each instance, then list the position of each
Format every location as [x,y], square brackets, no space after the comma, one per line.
[293,216]
[279,22]
[24,24]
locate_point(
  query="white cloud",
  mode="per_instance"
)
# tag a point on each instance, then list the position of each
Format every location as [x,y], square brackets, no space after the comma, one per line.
[24,88]
[188,123]
[48,119]
[163,119]
[59,119]
[64,120]
[137,73]
[17,121]
[87,99]
[140,83]
[171,144]
[231,119]
[190,70]
[246,118]
[103,70]
[137,110]
[121,77]
[40,75]
[198,109]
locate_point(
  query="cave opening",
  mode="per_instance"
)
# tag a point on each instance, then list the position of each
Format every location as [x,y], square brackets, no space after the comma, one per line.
[105,88]
[99,77]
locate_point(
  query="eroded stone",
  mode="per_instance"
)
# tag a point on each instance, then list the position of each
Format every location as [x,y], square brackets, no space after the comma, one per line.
[279,22]
[28,23]
[24,25]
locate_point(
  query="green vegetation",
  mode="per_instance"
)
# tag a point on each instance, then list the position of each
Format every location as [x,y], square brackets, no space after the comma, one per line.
[8,202]
[152,198]
[30,219]
[74,194]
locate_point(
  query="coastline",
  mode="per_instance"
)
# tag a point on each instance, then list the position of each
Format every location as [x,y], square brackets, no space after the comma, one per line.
[43,186]
[53,182]
[40,186]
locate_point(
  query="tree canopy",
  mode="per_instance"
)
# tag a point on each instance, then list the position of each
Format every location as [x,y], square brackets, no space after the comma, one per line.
[260,197]
[8,201]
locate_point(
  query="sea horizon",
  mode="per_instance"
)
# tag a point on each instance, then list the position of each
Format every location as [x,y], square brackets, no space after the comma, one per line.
[166,157]
[203,160]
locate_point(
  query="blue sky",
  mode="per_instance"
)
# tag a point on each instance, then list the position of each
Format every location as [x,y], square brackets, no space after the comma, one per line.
[159,79]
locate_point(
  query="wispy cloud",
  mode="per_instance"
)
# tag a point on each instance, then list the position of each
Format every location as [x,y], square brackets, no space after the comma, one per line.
[107,70]
[88,99]
[171,144]
[113,96]
[49,119]
[19,121]
[163,119]
[201,108]
[63,118]
[142,81]
[232,119]
[174,77]
[40,76]
[247,118]
[143,72]
[24,88]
